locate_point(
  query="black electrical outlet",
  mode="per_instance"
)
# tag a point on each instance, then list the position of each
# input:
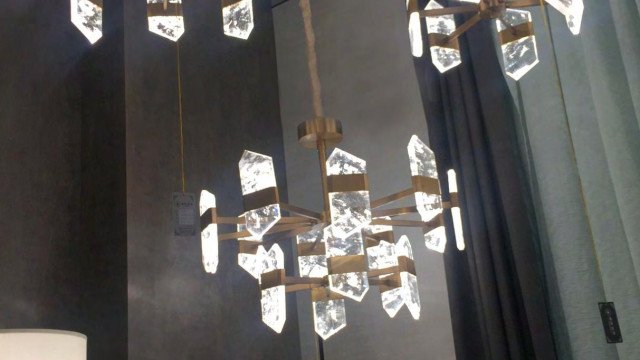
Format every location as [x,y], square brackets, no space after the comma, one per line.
[610,322]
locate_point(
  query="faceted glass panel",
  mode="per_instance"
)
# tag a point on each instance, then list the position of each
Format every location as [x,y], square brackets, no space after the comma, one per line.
[521,55]
[407,293]
[342,163]
[455,212]
[436,239]
[329,317]
[313,265]
[274,307]
[339,246]
[259,221]
[392,301]
[410,293]
[168,23]
[403,247]
[209,236]
[237,19]
[256,172]
[86,15]
[423,163]
[443,58]
[572,11]
[352,285]
[382,256]
[250,262]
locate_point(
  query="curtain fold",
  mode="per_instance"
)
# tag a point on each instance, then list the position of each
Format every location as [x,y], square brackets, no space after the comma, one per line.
[496,285]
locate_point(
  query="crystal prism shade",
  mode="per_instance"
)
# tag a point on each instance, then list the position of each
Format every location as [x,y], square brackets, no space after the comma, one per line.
[329,317]
[237,18]
[382,256]
[209,236]
[407,293]
[520,55]
[444,58]
[351,210]
[415,33]
[312,265]
[250,262]
[423,163]
[273,302]
[165,18]
[455,211]
[436,239]
[572,11]
[86,15]
[353,285]
[257,173]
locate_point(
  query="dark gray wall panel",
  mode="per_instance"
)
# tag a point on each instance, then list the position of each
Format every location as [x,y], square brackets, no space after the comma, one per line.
[176,311]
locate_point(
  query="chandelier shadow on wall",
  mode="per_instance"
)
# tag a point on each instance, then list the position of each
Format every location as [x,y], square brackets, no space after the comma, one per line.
[514,26]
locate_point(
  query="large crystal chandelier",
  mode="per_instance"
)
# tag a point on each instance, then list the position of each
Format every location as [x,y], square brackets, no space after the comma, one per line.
[514,27]
[343,250]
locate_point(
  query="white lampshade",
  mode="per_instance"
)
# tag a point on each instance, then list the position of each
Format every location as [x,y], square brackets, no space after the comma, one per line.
[42,345]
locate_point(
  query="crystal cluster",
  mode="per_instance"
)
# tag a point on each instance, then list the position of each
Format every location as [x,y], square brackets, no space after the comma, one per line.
[455,211]
[520,55]
[257,173]
[209,236]
[407,292]
[329,317]
[86,15]
[572,11]
[168,23]
[353,285]
[444,58]
[273,302]
[312,265]
[351,210]
[237,19]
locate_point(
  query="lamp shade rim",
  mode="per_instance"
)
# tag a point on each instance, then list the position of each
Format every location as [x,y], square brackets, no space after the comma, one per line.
[43,331]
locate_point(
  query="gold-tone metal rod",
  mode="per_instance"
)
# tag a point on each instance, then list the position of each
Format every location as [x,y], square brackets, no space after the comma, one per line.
[301,287]
[378,272]
[401,223]
[522,3]
[378,282]
[322,158]
[294,280]
[230,220]
[394,212]
[391,198]
[274,230]
[301,211]
[464,27]
[296,220]
[449,10]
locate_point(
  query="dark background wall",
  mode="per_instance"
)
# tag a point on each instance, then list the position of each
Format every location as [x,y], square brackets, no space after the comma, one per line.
[62,178]
[230,87]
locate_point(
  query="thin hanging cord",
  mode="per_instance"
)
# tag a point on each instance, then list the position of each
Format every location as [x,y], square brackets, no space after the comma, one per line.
[180,118]
[583,199]
[312,60]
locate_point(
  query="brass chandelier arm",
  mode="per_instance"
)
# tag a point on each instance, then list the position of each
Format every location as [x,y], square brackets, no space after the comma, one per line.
[522,3]
[450,10]
[379,272]
[464,27]
[400,223]
[391,198]
[394,212]
[280,228]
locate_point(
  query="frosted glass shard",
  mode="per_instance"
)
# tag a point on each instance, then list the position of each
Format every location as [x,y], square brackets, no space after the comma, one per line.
[274,307]
[572,11]
[207,201]
[250,262]
[209,242]
[382,256]
[86,15]
[259,221]
[520,55]
[256,172]
[455,212]
[274,259]
[352,285]
[350,211]
[392,301]
[443,58]
[237,19]
[329,317]
[168,24]
[313,265]
[410,293]
[423,163]
[377,229]
[415,35]
[403,247]
[342,163]
[342,246]
[436,239]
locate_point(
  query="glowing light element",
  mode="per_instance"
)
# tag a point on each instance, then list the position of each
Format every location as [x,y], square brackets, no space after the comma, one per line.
[423,163]
[274,301]
[257,173]
[165,18]
[209,236]
[86,15]
[444,58]
[353,285]
[237,18]
[455,211]
[520,55]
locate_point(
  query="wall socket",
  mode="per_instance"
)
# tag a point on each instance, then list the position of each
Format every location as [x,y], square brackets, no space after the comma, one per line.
[610,322]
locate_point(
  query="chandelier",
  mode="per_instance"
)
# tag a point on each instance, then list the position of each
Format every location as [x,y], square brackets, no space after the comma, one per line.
[343,250]
[514,26]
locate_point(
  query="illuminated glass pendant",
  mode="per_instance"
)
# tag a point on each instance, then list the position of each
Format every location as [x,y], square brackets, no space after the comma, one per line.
[237,18]
[348,280]
[165,18]
[86,15]
[518,43]
[274,301]
[455,210]
[415,32]
[445,55]
[209,236]
[329,313]
[572,11]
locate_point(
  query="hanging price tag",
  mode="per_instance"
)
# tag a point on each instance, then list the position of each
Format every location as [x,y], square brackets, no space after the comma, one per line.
[184,214]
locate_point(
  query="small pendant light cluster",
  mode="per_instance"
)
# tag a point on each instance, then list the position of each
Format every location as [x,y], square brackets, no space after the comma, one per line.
[514,27]
[165,18]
